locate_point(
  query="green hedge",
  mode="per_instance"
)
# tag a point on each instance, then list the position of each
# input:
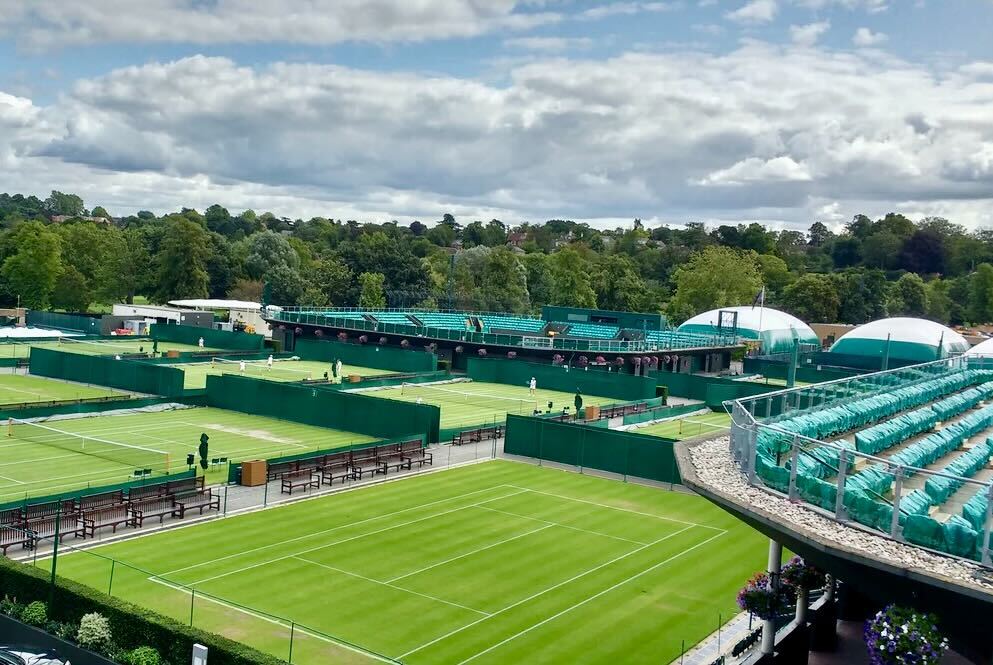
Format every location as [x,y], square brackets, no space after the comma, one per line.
[132,625]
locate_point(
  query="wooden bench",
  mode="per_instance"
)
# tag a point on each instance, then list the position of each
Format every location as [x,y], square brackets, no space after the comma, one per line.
[484,433]
[305,478]
[11,536]
[158,506]
[151,491]
[37,511]
[415,452]
[65,525]
[104,516]
[205,499]
[11,517]
[336,466]
[101,500]
[279,469]
[393,457]
[366,461]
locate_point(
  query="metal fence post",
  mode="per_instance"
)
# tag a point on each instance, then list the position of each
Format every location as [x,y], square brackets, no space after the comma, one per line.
[225,511]
[987,527]
[839,500]
[265,494]
[110,584]
[193,598]
[897,491]
[794,458]
[293,625]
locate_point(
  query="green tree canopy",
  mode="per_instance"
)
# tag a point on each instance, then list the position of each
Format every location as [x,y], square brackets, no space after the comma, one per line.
[571,284]
[182,261]
[31,272]
[812,298]
[372,295]
[715,277]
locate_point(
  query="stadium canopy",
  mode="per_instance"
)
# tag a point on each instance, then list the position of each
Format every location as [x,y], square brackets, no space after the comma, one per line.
[217,303]
[982,349]
[909,339]
[771,327]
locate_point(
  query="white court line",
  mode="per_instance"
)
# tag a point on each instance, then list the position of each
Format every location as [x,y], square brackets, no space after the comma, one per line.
[330,530]
[18,482]
[36,460]
[625,510]
[591,598]
[470,553]
[544,591]
[564,526]
[347,540]
[275,621]
[392,586]
[249,436]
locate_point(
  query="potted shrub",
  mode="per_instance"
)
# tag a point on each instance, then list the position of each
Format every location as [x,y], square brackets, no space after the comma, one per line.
[94,632]
[898,635]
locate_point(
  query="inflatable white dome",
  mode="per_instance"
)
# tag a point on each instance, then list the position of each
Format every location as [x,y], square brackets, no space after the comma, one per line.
[915,340]
[982,349]
[773,328]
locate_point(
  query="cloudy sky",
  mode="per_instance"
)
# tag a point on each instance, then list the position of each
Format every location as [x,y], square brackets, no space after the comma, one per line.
[784,111]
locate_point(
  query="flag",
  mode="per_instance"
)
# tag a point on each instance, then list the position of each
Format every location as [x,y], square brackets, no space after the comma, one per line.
[759,298]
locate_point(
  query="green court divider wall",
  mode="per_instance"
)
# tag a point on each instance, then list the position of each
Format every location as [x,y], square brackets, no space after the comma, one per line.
[388,381]
[217,339]
[661,412]
[84,491]
[625,387]
[94,405]
[712,390]
[108,371]
[366,355]
[778,369]
[352,412]
[77,322]
[623,453]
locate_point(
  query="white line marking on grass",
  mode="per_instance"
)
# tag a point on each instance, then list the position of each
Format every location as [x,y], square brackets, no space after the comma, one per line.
[278,622]
[36,459]
[564,526]
[544,591]
[470,553]
[391,586]
[12,480]
[591,598]
[625,510]
[346,540]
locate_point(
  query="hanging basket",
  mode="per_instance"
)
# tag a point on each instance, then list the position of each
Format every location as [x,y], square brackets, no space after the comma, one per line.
[898,635]
[759,598]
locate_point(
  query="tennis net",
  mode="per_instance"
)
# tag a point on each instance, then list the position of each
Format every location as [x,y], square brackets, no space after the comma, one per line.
[262,368]
[101,347]
[496,402]
[129,455]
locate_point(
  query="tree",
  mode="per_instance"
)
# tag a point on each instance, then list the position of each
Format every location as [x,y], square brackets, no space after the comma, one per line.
[64,204]
[715,277]
[618,285]
[862,294]
[818,234]
[372,295]
[286,285]
[182,261]
[31,272]
[981,294]
[539,279]
[882,250]
[442,235]
[417,228]
[72,291]
[908,296]
[333,279]
[775,274]
[505,282]
[812,298]
[939,301]
[127,268]
[266,251]
[924,253]
[100,211]
[846,252]
[571,279]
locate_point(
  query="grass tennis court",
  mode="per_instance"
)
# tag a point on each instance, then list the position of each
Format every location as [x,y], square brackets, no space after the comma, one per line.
[92,347]
[476,402]
[23,389]
[37,461]
[690,426]
[282,370]
[499,562]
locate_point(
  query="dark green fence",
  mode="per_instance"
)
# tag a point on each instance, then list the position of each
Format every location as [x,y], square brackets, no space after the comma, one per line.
[366,355]
[215,339]
[623,453]
[778,369]
[352,412]
[108,371]
[625,387]
[75,322]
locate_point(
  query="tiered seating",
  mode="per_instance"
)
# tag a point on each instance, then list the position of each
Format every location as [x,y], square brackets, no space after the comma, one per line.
[392,317]
[593,331]
[448,320]
[965,465]
[512,323]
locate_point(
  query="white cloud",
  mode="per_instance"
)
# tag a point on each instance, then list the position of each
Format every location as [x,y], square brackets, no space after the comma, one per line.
[870,6]
[549,44]
[755,11]
[807,35]
[763,132]
[626,8]
[866,37]
[46,25]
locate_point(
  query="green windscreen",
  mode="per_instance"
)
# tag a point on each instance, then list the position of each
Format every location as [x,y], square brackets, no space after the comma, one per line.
[212,339]
[108,371]
[366,355]
[624,387]
[623,453]
[372,416]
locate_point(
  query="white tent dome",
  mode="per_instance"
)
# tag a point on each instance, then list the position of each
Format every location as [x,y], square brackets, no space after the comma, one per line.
[773,328]
[909,339]
[981,349]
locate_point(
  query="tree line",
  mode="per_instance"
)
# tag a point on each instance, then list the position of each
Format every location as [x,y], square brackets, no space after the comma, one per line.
[55,253]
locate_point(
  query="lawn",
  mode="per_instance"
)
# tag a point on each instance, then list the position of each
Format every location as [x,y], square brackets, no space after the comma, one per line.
[23,389]
[500,562]
[467,403]
[120,345]
[36,461]
[282,370]
[689,426]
